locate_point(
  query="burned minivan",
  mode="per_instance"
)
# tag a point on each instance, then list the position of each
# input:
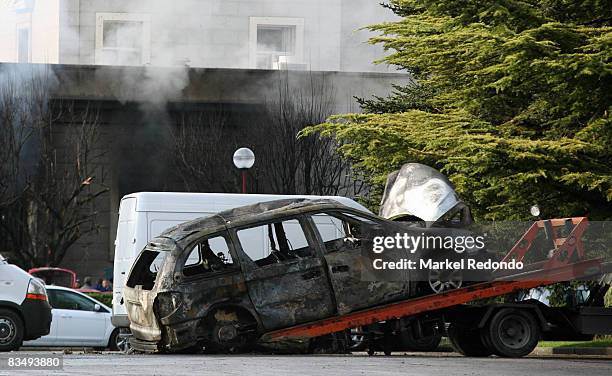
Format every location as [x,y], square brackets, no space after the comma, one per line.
[222,281]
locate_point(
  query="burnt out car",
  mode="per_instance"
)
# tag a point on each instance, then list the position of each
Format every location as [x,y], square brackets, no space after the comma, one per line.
[222,281]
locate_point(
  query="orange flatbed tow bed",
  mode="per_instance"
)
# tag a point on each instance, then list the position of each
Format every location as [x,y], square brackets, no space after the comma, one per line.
[566,264]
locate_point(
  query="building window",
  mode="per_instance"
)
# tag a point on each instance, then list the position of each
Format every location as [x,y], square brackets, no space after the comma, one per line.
[276,43]
[24,50]
[123,39]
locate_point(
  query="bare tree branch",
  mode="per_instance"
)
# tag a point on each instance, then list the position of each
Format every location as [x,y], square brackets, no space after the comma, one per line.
[47,200]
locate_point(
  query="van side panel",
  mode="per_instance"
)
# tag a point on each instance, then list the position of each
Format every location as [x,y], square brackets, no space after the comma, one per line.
[124,243]
[13,283]
[137,232]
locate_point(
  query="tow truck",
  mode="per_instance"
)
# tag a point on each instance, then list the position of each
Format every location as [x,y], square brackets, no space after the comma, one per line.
[477,328]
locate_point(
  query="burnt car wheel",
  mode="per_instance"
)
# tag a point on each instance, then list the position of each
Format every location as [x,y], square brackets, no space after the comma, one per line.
[230,332]
[226,338]
[444,280]
[359,340]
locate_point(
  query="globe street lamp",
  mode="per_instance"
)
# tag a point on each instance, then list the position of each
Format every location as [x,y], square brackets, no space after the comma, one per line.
[244,158]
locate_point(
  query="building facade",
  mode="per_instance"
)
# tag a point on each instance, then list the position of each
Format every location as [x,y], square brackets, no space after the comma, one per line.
[318,35]
[145,64]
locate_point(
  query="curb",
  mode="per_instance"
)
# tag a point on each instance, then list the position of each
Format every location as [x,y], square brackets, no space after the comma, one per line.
[572,351]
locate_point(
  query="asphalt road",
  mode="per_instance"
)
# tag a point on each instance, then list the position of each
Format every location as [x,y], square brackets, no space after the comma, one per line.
[443,364]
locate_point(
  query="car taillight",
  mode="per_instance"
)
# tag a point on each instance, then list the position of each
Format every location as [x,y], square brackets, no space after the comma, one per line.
[36,291]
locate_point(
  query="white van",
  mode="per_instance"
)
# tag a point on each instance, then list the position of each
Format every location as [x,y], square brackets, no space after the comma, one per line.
[25,313]
[143,216]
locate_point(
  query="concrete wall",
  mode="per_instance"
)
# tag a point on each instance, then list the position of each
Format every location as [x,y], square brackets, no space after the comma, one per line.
[356,53]
[215,33]
[200,33]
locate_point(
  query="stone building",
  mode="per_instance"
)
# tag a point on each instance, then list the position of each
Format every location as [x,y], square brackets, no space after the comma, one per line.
[318,35]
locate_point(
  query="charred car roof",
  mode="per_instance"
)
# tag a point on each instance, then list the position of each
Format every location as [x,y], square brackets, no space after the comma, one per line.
[243,216]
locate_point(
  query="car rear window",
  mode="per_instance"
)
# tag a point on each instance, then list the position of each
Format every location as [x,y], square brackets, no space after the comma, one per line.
[209,255]
[145,269]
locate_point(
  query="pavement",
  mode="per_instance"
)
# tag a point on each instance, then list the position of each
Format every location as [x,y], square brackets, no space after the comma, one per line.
[79,363]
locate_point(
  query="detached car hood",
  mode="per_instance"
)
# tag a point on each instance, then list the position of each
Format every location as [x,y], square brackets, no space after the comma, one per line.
[417,190]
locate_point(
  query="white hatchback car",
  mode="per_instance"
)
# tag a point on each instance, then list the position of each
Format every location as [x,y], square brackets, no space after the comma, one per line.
[78,320]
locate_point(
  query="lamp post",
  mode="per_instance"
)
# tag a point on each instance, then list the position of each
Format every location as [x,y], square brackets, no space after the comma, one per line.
[244,158]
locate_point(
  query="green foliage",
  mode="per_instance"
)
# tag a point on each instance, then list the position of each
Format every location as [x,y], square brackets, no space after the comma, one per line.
[513,104]
[104,298]
[597,342]
[411,97]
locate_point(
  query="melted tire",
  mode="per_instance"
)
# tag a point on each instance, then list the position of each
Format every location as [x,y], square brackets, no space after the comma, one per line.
[232,333]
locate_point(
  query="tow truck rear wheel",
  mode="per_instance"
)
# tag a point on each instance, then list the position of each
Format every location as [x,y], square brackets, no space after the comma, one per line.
[467,342]
[512,333]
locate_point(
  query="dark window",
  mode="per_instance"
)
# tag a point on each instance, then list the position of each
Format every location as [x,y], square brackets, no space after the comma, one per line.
[275,242]
[340,231]
[145,269]
[355,225]
[69,300]
[208,256]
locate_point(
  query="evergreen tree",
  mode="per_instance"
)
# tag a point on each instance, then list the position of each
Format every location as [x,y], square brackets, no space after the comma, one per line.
[513,102]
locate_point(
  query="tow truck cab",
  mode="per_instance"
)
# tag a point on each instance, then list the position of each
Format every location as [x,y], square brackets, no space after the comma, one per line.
[25,313]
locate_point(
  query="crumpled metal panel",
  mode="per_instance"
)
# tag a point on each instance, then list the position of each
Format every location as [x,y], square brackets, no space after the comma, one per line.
[289,294]
[419,191]
[347,268]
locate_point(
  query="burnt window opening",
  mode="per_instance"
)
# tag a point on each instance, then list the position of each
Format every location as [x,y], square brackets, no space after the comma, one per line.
[208,256]
[458,216]
[341,231]
[281,241]
[145,270]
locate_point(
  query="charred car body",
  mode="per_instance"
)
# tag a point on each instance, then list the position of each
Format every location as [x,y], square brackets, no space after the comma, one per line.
[207,283]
